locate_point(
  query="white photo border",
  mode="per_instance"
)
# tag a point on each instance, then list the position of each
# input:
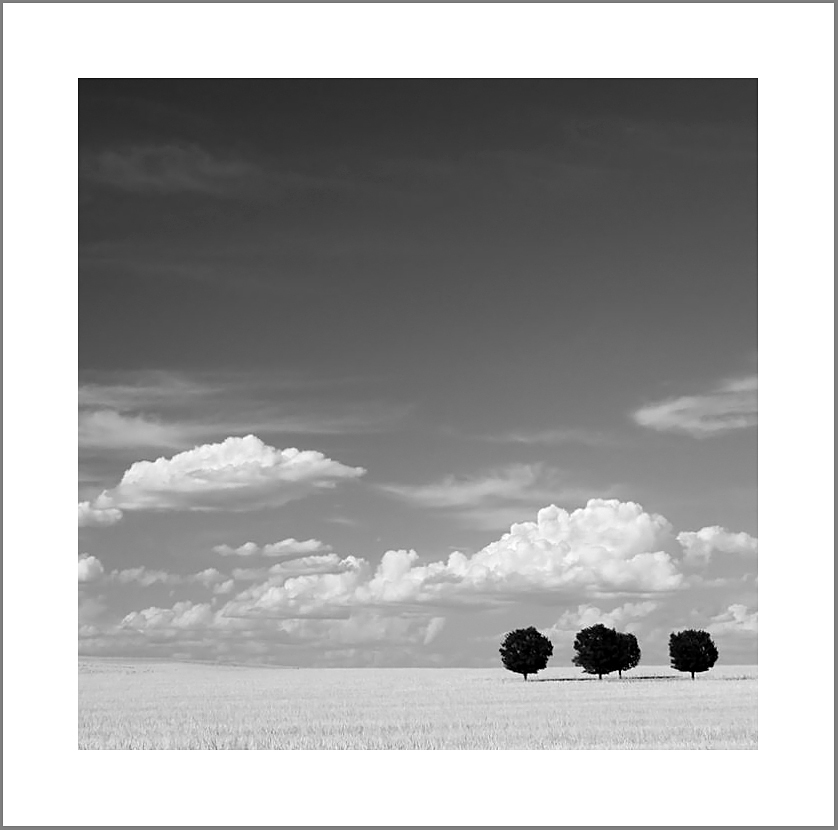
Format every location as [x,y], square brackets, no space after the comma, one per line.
[788,47]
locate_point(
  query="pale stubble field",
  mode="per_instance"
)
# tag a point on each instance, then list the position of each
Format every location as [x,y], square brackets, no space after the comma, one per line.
[141,705]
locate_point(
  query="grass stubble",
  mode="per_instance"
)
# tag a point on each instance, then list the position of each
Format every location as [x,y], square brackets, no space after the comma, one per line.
[193,706]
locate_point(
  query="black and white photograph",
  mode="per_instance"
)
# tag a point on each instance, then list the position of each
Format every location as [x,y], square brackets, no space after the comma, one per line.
[399,389]
[419,411]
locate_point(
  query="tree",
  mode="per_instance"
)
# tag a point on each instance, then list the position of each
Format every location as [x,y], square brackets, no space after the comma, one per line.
[692,651]
[525,651]
[629,652]
[598,650]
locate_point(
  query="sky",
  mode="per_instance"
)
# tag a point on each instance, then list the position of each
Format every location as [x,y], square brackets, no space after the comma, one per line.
[374,371]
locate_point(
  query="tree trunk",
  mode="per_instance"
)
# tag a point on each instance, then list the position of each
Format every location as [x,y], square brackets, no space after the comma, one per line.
[693,675]
[525,677]
[620,672]
[600,677]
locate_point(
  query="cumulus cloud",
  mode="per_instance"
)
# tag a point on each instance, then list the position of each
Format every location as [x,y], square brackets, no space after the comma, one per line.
[208,577]
[735,620]
[360,628]
[732,405]
[236,474]
[90,516]
[605,552]
[605,547]
[144,577]
[186,615]
[296,566]
[287,548]
[584,616]
[213,633]
[699,545]
[90,568]
[321,564]
[226,587]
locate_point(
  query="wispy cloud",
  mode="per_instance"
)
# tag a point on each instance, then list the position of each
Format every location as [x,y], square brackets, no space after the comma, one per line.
[497,498]
[557,437]
[188,168]
[730,406]
[166,169]
[169,411]
[108,429]
[512,482]
[145,390]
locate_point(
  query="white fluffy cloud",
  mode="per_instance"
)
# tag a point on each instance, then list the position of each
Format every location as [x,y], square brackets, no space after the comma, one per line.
[735,620]
[90,516]
[236,474]
[699,545]
[90,568]
[145,577]
[208,577]
[304,565]
[186,615]
[361,628]
[588,615]
[732,405]
[296,592]
[286,549]
[226,587]
[607,546]
[297,566]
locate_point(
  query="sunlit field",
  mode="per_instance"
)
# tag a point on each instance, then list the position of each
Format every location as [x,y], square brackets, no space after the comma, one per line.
[185,706]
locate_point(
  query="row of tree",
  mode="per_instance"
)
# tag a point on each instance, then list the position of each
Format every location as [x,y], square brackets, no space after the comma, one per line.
[601,650]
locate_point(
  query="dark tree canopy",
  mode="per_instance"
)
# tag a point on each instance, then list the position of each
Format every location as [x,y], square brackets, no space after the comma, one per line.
[597,650]
[629,652]
[525,651]
[692,651]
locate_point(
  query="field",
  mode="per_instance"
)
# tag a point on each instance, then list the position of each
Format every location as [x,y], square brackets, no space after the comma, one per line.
[191,706]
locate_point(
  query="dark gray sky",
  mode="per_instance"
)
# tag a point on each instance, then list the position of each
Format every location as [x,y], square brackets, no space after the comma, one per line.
[490,295]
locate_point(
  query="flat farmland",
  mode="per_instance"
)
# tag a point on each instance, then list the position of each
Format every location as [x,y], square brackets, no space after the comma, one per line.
[140,705]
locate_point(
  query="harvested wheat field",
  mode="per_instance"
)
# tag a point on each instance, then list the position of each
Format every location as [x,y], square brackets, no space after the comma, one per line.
[125,705]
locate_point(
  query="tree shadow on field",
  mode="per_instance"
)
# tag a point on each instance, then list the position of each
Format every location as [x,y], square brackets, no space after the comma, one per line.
[610,679]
